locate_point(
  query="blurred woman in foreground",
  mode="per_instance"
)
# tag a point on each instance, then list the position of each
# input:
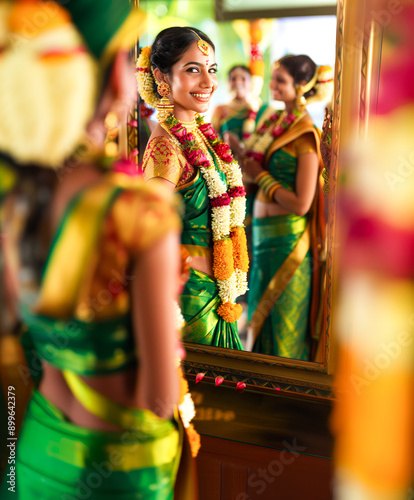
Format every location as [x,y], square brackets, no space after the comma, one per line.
[102,418]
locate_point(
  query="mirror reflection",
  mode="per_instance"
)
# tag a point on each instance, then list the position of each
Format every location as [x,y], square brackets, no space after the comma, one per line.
[270,111]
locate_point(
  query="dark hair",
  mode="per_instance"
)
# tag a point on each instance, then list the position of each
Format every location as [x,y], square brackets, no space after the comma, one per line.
[239,66]
[301,68]
[170,44]
[32,191]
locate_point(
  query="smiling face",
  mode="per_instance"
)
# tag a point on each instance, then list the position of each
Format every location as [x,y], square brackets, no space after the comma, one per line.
[240,82]
[192,81]
[282,86]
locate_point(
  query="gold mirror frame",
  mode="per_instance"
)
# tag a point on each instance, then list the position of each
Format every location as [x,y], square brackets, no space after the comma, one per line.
[272,11]
[354,60]
[270,373]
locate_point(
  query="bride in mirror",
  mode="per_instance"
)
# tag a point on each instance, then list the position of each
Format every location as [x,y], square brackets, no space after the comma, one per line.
[283,159]
[177,75]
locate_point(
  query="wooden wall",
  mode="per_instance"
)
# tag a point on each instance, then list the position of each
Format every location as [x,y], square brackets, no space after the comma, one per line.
[262,447]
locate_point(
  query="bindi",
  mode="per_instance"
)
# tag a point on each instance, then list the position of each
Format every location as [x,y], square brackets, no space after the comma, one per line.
[207,62]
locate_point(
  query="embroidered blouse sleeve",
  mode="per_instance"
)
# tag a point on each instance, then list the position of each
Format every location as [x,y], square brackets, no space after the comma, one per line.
[305,144]
[143,217]
[161,159]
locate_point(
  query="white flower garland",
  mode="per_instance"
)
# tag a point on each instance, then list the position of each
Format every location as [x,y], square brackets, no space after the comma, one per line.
[187,410]
[223,218]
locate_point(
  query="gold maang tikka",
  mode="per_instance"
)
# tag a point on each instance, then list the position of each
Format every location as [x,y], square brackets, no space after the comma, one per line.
[202,45]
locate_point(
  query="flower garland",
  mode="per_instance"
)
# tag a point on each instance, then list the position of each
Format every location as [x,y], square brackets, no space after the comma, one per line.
[249,124]
[187,413]
[145,79]
[186,406]
[228,208]
[273,127]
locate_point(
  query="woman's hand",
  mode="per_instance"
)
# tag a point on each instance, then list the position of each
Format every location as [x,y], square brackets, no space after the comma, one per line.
[236,145]
[251,168]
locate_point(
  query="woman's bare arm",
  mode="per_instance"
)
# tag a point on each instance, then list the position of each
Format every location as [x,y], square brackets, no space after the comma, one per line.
[300,200]
[154,288]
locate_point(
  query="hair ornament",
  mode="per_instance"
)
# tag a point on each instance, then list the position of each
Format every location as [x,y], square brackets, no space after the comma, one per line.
[311,83]
[324,85]
[145,78]
[33,131]
[202,45]
[301,90]
[277,63]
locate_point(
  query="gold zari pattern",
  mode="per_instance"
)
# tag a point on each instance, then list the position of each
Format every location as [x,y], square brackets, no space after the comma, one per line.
[162,159]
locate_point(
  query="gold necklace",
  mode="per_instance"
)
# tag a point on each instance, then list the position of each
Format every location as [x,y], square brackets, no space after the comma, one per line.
[189,125]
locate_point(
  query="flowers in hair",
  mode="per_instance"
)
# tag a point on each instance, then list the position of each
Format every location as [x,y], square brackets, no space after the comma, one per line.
[145,79]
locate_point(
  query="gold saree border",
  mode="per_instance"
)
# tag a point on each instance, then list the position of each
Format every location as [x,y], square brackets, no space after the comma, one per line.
[168,445]
[72,252]
[278,283]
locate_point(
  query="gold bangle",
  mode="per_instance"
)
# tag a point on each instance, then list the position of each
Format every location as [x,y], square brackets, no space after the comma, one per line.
[260,176]
[273,190]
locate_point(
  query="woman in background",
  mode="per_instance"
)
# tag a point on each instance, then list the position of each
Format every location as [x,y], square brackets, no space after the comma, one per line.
[100,323]
[185,155]
[283,159]
[236,121]
[237,116]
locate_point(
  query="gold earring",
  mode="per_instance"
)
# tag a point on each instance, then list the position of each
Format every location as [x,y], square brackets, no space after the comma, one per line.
[300,101]
[164,107]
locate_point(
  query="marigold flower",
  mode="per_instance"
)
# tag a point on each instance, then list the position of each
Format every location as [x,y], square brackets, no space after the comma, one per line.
[187,412]
[146,51]
[230,312]
[194,439]
[223,264]
[240,254]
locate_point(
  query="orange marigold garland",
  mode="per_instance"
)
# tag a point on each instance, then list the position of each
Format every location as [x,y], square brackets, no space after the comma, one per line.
[229,312]
[223,262]
[194,439]
[187,413]
[186,406]
[241,260]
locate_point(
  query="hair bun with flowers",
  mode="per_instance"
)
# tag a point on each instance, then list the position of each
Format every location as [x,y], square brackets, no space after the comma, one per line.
[145,78]
[324,85]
